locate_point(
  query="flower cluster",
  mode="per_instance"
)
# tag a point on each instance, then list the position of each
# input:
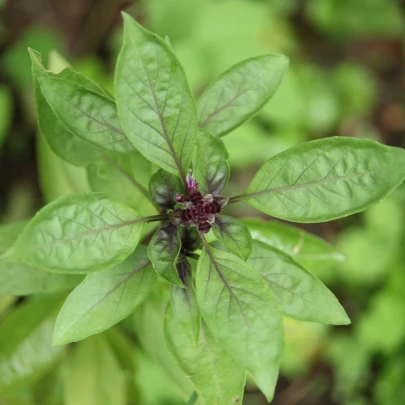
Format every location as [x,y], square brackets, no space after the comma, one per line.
[198,210]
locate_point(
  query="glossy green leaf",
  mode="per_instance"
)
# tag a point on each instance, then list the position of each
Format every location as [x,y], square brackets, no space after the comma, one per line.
[163,251]
[211,169]
[184,304]
[93,375]
[299,294]
[163,188]
[26,352]
[18,278]
[86,114]
[124,176]
[309,250]
[234,235]
[218,379]
[155,104]
[242,315]
[79,233]
[239,93]
[105,298]
[326,179]
[66,145]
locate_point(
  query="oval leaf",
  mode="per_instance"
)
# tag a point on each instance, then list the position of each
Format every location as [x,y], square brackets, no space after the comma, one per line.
[241,314]
[88,115]
[105,298]
[154,101]
[299,294]
[62,142]
[17,278]
[163,251]
[163,188]
[211,168]
[216,376]
[240,93]
[234,235]
[326,179]
[79,233]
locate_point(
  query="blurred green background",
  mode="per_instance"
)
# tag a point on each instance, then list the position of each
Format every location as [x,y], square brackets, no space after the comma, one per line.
[346,77]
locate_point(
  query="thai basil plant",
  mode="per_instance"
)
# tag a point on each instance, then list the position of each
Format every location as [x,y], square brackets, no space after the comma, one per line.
[158,211]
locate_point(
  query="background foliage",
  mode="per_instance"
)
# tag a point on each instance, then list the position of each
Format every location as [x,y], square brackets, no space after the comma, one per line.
[346,77]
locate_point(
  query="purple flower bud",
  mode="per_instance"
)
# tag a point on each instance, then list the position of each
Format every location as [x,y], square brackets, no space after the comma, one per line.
[179,198]
[191,183]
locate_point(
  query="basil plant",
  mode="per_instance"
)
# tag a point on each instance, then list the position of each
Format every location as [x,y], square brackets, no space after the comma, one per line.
[157,216]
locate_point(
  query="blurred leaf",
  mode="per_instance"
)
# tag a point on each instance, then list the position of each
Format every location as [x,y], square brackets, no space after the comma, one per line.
[298,293]
[156,108]
[26,352]
[326,179]
[314,253]
[80,233]
[148,326]
[93,375]
[6,106]
[105,298]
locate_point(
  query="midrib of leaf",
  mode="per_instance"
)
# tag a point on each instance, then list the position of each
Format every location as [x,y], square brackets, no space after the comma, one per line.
[159,114]
[272,282]
[139,186]
[223,279]
[305,185]
[227,104]
[95,231]
[103,122]
[107,293]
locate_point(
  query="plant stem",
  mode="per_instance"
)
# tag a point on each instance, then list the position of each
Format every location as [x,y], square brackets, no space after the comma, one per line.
[155,218]
[192,255]
[193,398]
[237,198]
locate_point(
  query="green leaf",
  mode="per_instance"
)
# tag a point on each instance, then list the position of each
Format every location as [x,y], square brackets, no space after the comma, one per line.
[88,115]
[66,145]
[163,252]
[26,352]
[124,176]
[93,375]
[299,294]
[184,304]
[216,376]
[17,278]
[314,253]
[6,105]
[211,168]
[326,179]
[79,233]
[241,314]
[155,104]
[163,188]
[105,298]
[234,235]
[239,93]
